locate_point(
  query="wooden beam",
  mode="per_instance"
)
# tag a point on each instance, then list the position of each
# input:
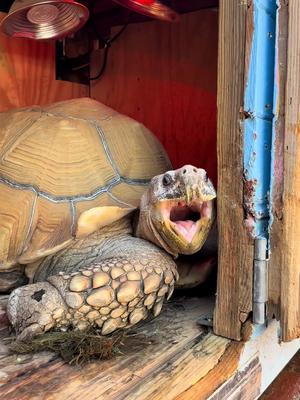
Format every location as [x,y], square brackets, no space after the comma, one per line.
[290,272]
[234,292]
[276,243]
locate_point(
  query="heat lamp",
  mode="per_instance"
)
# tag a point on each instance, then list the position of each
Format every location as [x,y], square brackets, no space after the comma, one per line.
[56,19]
[150,8]
[44,19]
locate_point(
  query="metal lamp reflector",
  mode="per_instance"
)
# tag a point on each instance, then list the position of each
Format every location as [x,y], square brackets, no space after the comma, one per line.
[151,8]
[44,19]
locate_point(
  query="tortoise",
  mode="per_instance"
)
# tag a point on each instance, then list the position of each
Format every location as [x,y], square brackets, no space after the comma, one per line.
[72,175]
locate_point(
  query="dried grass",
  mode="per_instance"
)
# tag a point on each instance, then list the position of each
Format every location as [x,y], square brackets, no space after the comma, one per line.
[78,348]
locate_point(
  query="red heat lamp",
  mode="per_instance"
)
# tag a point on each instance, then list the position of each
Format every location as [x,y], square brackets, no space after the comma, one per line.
[56,19]
[44,19]
[150,8]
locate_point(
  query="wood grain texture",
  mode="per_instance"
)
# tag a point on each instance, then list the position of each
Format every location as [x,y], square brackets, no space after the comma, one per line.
[170,352]
[178,353]
[244,384]
[234,292]
[275,263]
[27,70]
[183,370]
[290,274]
[164,75]
[224,370]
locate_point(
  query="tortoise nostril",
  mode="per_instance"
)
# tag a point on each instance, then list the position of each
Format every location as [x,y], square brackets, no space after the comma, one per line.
[167,180]
[194,169]
[184,171]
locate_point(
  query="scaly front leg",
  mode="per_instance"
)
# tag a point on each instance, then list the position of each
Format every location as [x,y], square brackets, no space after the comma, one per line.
[116,292]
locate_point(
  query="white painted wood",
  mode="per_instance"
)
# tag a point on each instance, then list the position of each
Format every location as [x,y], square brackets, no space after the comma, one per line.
[272,353]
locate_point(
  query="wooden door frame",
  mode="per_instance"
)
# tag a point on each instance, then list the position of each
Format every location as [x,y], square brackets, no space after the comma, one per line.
[284,273]
[234,289]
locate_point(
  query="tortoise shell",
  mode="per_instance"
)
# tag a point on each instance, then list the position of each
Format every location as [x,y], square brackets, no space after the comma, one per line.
[61,161]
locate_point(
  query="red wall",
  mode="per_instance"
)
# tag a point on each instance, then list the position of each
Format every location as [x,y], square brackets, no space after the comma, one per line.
[165,76]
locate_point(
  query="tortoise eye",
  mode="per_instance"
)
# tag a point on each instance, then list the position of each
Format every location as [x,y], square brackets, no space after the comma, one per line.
[167,180]
[206,177]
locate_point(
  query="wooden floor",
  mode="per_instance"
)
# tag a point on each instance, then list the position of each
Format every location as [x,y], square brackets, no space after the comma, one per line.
[177,361]
[173,358]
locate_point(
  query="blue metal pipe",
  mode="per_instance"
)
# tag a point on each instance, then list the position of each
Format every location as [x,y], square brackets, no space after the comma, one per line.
[258,107]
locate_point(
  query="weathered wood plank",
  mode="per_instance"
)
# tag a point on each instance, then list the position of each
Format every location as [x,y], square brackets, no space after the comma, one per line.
[226,367]
[275,264]
[182,371]
[174,334]
[234,293]
[245,384]
[178,361]
[27,70]
[290,273]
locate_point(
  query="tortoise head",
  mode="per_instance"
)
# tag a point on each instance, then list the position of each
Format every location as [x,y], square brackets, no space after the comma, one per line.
[177,210]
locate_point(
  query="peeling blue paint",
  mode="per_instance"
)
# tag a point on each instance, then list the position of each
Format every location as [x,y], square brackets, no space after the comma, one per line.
[258,106]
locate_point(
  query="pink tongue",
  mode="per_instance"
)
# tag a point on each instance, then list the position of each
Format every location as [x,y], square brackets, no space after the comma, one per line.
[187,229]
[185,224]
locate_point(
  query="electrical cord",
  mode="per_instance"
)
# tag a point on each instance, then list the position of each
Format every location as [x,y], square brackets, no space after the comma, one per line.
[107,42]
[107,45]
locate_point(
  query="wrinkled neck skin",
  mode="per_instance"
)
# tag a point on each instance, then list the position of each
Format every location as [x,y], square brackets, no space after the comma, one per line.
[145,228]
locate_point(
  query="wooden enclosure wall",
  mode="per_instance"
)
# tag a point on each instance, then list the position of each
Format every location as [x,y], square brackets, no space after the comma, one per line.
[165,76]
[290,267]
[276,231]
[284,265]
[234,292]
[27,74]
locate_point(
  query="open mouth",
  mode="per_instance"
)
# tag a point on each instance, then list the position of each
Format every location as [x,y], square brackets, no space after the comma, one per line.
[185,218]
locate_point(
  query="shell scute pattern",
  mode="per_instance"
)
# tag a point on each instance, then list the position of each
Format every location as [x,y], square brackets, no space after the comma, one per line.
[36,159]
